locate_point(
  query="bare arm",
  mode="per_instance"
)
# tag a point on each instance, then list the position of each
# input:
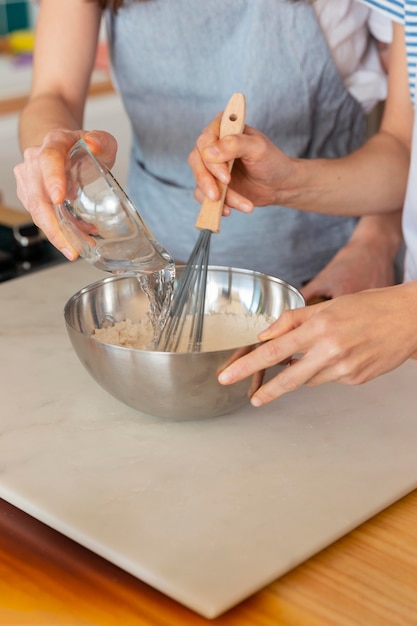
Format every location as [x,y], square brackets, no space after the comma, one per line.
[370,180]
[367,261]
[52,121]
[373,178]
[66,40]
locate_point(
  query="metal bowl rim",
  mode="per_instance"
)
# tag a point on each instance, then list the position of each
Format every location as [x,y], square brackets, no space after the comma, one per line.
[125,275]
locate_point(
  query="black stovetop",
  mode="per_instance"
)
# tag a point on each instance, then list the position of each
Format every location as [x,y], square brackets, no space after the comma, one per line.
[23,249]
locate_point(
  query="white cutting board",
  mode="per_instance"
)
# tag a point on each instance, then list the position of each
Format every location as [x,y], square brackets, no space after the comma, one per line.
[207,512]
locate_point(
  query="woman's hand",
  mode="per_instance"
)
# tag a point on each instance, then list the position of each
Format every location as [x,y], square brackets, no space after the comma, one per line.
[41,179]
[351,340]
[260,169]
[352,269]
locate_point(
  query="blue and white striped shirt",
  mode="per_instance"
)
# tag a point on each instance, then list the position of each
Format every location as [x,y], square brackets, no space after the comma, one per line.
[403,12]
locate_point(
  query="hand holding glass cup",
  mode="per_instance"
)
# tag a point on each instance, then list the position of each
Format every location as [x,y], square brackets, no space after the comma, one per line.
[100,221]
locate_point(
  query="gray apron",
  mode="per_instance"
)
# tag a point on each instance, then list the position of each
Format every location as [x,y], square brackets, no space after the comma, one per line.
[176,64]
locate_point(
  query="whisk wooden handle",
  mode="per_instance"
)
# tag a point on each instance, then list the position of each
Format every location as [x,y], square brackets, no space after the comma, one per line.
[232,123]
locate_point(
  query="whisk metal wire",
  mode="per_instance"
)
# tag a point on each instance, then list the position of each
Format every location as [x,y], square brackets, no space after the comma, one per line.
[188,305]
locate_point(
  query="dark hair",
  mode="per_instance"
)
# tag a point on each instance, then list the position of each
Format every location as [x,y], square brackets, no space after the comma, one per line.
[110,4]
[114,5]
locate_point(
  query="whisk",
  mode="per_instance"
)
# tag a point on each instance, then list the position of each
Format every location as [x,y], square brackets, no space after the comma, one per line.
[184,326]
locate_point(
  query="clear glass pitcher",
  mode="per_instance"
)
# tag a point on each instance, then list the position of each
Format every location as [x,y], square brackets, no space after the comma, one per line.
[101,222]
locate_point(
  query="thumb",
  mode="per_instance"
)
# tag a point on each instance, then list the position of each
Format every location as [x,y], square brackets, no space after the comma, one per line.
[245,145]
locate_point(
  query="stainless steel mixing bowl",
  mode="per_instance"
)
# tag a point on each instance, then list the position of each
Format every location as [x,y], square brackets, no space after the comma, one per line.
[164,384]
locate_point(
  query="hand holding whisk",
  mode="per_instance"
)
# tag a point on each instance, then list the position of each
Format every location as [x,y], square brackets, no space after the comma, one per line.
[183,330]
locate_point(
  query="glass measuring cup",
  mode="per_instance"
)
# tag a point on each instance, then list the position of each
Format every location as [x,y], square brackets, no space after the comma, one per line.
[101,222]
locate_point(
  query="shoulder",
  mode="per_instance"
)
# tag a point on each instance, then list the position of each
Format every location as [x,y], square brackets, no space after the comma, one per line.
[348,17]
[394,9]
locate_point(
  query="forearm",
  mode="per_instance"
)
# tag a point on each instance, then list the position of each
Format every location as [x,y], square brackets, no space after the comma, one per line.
[370,180]
[379,233]
[42,114]
[64,54]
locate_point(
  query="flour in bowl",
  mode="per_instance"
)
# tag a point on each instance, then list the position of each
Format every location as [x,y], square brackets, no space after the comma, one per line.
[129,334]
[222,331]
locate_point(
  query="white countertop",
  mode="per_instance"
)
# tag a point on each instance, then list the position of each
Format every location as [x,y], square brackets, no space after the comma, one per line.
[207,511]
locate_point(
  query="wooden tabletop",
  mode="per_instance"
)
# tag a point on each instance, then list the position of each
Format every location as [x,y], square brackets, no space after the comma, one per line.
[368,578]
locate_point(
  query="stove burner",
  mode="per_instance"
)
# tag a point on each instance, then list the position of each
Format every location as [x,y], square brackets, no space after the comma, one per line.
[24,249]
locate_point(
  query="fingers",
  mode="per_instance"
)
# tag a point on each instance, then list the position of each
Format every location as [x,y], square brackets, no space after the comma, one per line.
[206,177]
[54,152]
[289,320]
[248,145]
[42,183]
[282,340]
[219,169]
[51,156]
[210,161]
[41,179]
[273,351]
[266,355]
[300,371]
[207,173]
[238,202]
[32,194]
[343,340]
[233,200]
